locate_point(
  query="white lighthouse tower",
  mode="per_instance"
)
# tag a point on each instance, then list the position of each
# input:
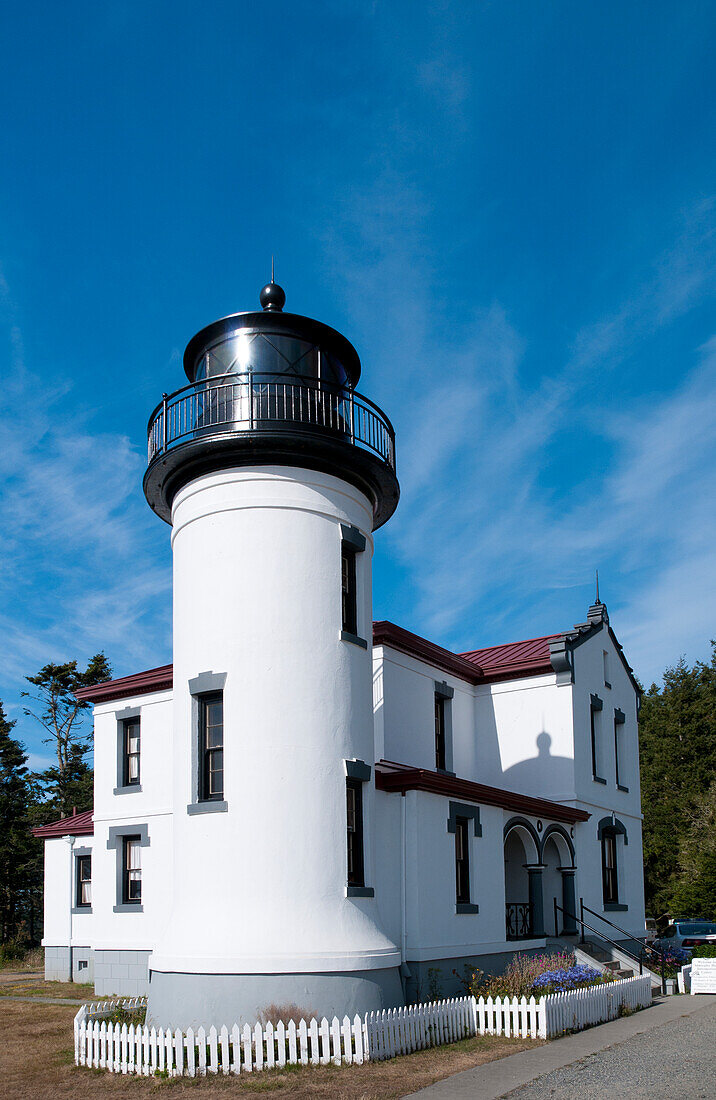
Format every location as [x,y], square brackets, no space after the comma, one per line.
[273,473]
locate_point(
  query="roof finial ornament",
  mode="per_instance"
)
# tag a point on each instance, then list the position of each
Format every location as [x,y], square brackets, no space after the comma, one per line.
[598,611]
[597,599]
[272,297]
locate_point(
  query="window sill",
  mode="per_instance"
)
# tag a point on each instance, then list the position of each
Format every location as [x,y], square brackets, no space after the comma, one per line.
[621,787]
[360,892]
[444,771]
[607,684]
[207,807]
[78,910]
[598,779]
[346,636]
[466,907]
[128,788]
[128,907]
[614,907]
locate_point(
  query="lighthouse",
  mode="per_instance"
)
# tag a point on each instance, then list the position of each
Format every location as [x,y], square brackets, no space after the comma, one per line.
[273,472]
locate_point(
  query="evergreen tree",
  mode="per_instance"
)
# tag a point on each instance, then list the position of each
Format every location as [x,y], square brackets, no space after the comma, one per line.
[20,853]
[69,782]
[677,734]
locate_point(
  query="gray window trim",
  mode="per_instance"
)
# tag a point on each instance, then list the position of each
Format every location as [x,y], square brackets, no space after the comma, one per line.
[462,809]
[123,716]
[204,684]
[472,813]
[443,689]
[115,840]
[79,909]
[346,636]
[353,538]
[207,682]
[614,907]
[360,892]
[612,825]
[357,769]
[208,807]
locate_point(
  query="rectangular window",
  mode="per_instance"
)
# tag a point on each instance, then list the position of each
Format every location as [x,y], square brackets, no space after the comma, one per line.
[619,720]
[354,823]
[132,870]
[462,861]
[130,757]
[440,756]
[605,660]
[211,747]
[348,590]
[594,719]
[610,885]
[83,896]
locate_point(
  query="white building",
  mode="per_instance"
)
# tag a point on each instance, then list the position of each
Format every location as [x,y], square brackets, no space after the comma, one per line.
[289,814]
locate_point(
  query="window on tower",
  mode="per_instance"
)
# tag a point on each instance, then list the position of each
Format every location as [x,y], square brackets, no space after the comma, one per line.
[211,747]
[354,823]
[348,591]
[352,544]
[462,861]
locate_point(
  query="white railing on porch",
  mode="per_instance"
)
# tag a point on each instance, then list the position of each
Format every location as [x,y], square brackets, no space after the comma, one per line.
[145,1050]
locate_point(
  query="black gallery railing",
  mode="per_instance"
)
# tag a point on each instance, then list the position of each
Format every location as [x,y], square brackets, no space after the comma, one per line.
[518,915]
[256,402]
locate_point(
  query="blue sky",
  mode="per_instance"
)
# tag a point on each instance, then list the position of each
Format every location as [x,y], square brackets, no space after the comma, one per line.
[507,207]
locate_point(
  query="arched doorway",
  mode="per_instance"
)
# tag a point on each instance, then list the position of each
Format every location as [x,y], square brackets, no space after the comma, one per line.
[523,909]
[558,881]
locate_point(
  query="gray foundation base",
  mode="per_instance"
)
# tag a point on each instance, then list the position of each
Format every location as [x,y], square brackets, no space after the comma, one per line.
[57,964]
[434,979]
[191,1000]
[123,973]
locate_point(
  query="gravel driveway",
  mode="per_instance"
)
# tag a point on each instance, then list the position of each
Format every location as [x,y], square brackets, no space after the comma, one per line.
[676,1061]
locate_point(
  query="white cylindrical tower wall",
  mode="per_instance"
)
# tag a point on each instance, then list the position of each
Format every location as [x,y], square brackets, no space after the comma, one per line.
[260,912]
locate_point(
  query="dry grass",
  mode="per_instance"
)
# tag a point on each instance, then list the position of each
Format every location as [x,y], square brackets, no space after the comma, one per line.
[31,983]
[44,1032]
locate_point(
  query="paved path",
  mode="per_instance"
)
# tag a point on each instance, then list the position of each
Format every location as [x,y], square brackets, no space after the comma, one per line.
[666,1051]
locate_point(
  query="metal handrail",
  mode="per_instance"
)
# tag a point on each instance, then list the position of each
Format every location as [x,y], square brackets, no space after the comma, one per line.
[253,399]
[620,947]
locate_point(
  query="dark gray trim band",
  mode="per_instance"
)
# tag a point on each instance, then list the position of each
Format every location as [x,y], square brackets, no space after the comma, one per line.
[621,787]
[127,712]
[443,689]
[82,852]
[206,682]
[598,779]
[208,807]
[347,637]
[595,702]
[466,907]
[619,716]
[126,907]
[353,539]
[360,892]
[358,769]
[129,788]
[463,809]
[615,907]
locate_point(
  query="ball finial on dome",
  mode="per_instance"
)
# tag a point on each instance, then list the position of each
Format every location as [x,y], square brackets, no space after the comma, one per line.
[272,297]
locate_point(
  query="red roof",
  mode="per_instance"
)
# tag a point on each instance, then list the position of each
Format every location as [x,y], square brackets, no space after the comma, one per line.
[141,683]
[479,666]
[515,658]
[390,776]
[74,825]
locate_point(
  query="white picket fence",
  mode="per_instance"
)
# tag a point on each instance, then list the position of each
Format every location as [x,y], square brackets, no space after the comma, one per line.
[144,1050]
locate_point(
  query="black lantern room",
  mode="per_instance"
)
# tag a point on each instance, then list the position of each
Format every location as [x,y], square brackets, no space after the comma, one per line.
[271,388]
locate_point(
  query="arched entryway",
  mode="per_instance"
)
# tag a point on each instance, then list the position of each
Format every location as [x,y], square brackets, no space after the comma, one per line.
[523,888]
[558,881]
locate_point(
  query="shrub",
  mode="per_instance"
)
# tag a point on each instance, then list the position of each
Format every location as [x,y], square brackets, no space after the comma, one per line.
[704,952]
[271,1014]
[537,975]
[673,957]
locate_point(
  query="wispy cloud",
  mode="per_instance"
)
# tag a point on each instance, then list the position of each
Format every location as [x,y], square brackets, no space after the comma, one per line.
[81,569]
